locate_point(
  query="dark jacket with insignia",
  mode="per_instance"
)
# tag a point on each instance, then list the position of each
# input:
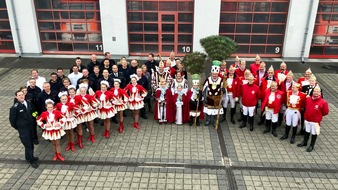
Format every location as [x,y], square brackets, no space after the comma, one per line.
[20,117]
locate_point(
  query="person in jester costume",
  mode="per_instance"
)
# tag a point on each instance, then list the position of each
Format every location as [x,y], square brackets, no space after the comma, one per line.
[212,91]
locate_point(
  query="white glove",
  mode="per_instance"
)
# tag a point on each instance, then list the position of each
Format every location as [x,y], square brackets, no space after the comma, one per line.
[236,99]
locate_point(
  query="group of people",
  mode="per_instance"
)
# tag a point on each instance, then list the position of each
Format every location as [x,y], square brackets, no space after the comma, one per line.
[105,90]
[277,93]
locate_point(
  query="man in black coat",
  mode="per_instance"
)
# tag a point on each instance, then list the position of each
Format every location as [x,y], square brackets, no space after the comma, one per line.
[107,55]
[78,62]
[94,78]
[21,119]
[116,74]
[143,81]
[46,93]
[151,63]
[93,62]
[32,94]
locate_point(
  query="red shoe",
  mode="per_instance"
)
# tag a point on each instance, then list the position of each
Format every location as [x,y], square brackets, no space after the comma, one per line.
[72,147]
[91,138]
[79,138]
[55,156]
[136,125]
[107,134]
[104,133]
[120,129]
[68,147]
[60,157]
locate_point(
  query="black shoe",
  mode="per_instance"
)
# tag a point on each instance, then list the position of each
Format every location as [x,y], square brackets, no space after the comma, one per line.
[222,120]
[286,135]
[191,121]
[306,138]
[245,117]
[309,149]
[274,126]
[232,121]
[36,142]
[251,120]
[35,164]
[35,159]
[198,121]
[144,116]
[302,144]
[293,139]
[268,126]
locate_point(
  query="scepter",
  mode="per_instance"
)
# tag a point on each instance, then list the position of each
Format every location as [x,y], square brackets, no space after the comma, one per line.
[198,101]
[220,102]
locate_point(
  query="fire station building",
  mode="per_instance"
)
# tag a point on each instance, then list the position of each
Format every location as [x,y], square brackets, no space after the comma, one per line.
[272,28]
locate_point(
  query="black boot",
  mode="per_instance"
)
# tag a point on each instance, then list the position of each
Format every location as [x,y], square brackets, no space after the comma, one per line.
[240,118]
[262,119]
[306,138]
[302,130]
[251,120]
[191,121]
[268,126]
[198,121]
[274,127]
[312,145]
[207,120]
[224,115]
[232,114]
[280,119]
[287,130]
[294,131]
[245,117]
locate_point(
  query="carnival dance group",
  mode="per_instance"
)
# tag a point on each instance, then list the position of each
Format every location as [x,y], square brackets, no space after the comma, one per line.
[105,90]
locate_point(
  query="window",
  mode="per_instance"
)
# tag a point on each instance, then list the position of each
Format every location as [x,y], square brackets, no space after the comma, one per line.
[6,39]
[69,26]
[325,34]
[257,26]
[160,26]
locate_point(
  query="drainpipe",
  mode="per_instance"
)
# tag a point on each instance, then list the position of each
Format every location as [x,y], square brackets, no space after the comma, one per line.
[16,27]
[307,30]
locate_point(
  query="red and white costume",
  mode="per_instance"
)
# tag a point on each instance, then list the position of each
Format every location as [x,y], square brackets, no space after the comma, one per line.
[303,82]
[239,72]
[250,96]
[271,104]
[314,111]
[179,105]
[295,102]
[69,110]
[51,118]
[120,99]
[88,105]
[105,109]
[232,91]
[281,75]
[265,85]
[136,96]
[222,72]
[254,67]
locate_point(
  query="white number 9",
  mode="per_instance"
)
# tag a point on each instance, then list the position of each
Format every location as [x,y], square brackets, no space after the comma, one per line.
[277,49]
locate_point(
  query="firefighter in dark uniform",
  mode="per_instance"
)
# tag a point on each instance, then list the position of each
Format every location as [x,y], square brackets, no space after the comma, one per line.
[20,117]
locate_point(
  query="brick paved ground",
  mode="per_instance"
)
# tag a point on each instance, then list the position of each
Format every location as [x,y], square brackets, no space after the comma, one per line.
[171,156]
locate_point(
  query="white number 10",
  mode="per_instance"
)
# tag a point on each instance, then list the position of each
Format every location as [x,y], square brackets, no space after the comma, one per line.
[186,49]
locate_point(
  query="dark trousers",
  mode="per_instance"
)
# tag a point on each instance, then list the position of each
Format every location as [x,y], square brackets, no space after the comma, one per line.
[35,131]
[26,137]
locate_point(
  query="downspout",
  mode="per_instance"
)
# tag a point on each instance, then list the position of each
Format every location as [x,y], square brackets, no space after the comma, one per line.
[16,27]
[307,30]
